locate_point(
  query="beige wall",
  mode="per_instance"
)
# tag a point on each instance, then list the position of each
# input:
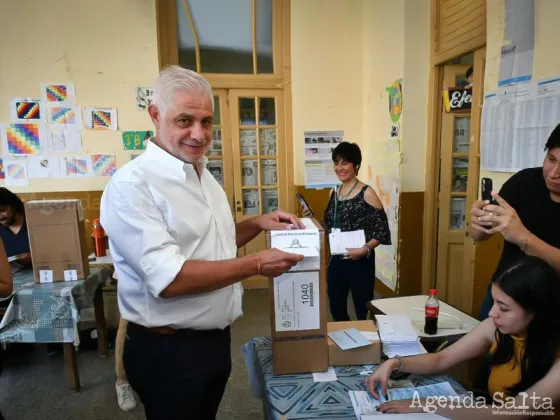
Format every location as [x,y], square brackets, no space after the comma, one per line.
[339,77]
[106,48]
[547,58]
[326,44]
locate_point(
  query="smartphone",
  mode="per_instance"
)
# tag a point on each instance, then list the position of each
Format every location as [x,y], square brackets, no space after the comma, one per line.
[304,204]
[486,190]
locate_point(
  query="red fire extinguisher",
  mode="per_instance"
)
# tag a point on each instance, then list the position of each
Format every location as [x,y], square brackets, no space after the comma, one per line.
[98,235]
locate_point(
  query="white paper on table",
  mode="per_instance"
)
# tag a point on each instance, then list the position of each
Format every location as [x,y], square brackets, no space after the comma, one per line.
[328,376]
[43,167]
[340,241]
[296,301]
[407,416]
[370,335]
[15,172]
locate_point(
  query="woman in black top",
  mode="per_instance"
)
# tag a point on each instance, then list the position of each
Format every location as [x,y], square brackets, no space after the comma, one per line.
[353,206]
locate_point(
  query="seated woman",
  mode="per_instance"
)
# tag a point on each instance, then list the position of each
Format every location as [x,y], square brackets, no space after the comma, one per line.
[6,288]
[353,206]
[522,335]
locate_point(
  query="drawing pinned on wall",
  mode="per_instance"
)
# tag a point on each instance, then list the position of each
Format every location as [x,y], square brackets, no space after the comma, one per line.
[144,97]
[15,171]
[2,168]
[65,141]
[76,166]
[60,94]
[61,117]
[395,131]
[136,140]
[23,138]
[100,118]
[43,167]
[25,110]
[104,165]
[395,100]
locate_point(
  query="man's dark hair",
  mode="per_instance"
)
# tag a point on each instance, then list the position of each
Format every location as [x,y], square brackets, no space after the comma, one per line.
[9,199]
[350,152]
[554,139]
[469,72]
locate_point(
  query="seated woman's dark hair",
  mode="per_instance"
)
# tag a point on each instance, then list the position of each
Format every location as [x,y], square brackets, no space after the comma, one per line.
[9,199]
[535,286]
[350,152]
[553,141]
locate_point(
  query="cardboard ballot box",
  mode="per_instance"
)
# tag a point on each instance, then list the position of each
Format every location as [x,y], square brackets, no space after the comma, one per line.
[298,303]
[57,239]
[367,355]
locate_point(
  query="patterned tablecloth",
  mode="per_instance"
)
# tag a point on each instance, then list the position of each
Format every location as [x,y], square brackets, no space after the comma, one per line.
[48,312]
[299,397]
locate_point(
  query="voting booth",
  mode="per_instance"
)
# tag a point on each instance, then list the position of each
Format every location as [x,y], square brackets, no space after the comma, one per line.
[298,302]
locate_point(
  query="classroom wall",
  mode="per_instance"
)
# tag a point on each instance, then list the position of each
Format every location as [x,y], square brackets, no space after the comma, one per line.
[107,48]
[326,43]
[546,62]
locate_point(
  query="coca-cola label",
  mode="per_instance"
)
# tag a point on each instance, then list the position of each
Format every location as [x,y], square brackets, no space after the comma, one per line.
[432,311]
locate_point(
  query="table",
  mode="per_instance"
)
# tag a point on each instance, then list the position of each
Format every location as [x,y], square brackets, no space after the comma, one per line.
[298,397]
[452,323]
[49,313]
[96,261]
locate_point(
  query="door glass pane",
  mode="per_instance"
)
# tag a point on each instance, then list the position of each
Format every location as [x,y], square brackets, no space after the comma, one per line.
[458,213]
[270,200]
[225,34]
[216,147]
[248,139]
[269,173]
[216,168]
[268,141]
[185,38]
[247,112]
[249,173]
[267,111]
[251,206]
[460,173]
[462,135]
[264,36]
[217,115]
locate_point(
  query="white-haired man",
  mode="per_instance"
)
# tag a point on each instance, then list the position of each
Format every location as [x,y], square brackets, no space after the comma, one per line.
[174,245]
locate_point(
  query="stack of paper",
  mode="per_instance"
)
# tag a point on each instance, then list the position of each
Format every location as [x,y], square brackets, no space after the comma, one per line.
[398,336]
[349,338]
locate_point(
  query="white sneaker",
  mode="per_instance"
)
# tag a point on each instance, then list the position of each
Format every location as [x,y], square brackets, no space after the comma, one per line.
[125,396]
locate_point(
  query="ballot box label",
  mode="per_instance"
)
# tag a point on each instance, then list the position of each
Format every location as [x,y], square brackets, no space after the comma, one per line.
[45,276]
[70,275]
[296,301]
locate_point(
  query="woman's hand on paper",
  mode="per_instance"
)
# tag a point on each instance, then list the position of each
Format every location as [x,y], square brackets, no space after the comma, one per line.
[380,378]
[24,258]
[401,406]
[356,253]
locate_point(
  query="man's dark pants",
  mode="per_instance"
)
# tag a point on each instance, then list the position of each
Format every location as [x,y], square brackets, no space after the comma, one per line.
[178,376]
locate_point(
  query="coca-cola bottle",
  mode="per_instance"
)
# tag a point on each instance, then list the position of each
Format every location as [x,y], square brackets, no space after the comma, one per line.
[432,313]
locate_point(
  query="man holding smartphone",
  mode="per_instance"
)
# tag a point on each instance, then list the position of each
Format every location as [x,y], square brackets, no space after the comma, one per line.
[526,214]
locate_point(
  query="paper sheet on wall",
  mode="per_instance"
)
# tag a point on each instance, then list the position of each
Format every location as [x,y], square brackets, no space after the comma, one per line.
[16,172]
[516,122]
[144,97]
[76,166]
[26,110]
[296,301]
[100,118]
[64,118]
[43,167]
[24,138]
[2,174]
[66,141]
[58,94]
[318,147]
[518,51]
[385,180]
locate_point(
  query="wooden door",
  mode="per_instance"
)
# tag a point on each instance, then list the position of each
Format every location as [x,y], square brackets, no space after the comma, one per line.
[220,154]
[452,198]
[259,156]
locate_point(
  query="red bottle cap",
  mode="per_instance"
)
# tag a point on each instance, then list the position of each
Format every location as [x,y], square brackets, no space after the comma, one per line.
[433,292]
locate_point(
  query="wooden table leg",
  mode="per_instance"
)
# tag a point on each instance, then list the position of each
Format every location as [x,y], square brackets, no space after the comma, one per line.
[100,324]
[71,365]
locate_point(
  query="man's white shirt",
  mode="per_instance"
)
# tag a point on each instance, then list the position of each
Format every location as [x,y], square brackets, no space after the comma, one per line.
[157,215]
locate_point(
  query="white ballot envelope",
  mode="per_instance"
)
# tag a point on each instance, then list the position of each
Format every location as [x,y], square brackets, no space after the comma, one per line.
[306,242]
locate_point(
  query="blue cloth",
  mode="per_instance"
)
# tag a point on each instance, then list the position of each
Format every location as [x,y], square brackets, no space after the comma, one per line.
[299,397]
